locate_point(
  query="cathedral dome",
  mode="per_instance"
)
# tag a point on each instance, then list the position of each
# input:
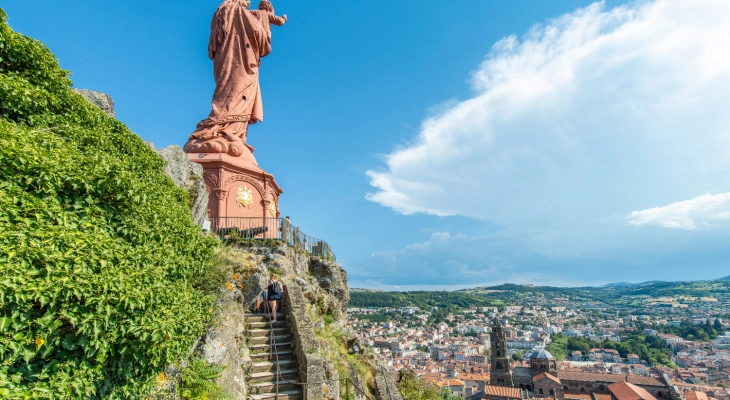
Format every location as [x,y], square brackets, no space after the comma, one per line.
[542,354]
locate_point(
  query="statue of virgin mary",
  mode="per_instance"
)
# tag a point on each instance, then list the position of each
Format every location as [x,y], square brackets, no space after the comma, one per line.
[239,38]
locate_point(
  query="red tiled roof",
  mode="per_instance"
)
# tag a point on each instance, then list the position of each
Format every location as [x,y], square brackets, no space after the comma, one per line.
[501,391]
[695,395]
[645,380]
[629,391]
[599,396]
[546,375]
[575,396]
[589,377]
[450,382]
[473,377]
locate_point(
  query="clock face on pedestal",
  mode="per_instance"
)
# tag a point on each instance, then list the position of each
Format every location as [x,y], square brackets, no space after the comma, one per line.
[245,197]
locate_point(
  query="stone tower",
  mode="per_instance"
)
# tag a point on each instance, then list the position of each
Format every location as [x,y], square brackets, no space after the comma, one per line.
[501,374]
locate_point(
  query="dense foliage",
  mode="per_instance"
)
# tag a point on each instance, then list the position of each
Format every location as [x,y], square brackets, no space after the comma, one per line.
[97,245]
[647,347]
[412,387]
[690,331]
[197,381]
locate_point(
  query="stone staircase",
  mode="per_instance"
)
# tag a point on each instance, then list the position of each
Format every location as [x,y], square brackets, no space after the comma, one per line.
[262,379]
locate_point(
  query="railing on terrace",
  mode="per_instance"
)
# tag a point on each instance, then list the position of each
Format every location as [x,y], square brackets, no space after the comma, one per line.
[270,228]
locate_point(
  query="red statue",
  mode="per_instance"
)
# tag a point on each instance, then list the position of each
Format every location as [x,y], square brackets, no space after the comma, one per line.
[239,37]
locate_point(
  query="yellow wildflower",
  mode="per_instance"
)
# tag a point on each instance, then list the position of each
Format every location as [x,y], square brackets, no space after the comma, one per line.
[39,342]
[235,277]
[229,286]
[161,378]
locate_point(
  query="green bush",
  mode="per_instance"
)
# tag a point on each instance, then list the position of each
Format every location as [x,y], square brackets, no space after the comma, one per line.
[197,381]
[413,387]
[97,245]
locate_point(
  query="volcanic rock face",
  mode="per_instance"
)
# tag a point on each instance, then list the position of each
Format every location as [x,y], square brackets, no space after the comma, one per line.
[99,99]
[189,176]
[323,283]
[332,280]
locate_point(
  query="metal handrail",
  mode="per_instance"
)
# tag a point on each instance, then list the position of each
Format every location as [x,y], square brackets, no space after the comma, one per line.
[306,384]
[251,228]
[387,385]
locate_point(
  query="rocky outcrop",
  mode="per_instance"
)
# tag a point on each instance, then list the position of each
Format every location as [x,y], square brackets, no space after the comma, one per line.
[224,344]
[323,283]
[189,176]
[99,99]
[332,280]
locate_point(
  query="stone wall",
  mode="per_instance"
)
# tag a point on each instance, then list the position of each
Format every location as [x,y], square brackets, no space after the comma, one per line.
[322,379]
[386,387]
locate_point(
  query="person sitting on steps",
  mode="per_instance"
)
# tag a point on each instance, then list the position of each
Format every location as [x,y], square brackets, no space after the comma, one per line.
[274,293]
[260,301]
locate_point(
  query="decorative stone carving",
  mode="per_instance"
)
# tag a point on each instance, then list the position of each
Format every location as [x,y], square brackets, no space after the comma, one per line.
[247,179]
[220,193]
[212,178]
[272,208]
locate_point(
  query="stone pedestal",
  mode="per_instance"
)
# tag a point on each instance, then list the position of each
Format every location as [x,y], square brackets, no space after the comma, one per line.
[237,187]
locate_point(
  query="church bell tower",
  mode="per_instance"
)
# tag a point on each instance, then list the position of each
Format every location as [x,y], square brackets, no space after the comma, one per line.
[500,374]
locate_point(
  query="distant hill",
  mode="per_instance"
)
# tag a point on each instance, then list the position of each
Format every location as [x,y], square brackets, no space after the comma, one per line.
[621,294]
[618,284]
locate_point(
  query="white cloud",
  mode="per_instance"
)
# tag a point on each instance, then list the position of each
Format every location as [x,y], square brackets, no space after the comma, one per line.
[699,212]
[586,118]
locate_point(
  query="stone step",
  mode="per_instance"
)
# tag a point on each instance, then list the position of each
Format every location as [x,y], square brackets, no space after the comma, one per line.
[270,366]
[288,395]
[267,332]
[280,317]
[262,377]
[267,347]
[269,340]
[270,387]
[266,324]
[281,355]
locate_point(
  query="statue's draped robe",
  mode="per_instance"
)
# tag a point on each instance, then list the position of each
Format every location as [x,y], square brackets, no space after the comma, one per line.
[239,38]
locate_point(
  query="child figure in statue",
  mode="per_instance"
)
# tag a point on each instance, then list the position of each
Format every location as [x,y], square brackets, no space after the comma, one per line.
[266,15]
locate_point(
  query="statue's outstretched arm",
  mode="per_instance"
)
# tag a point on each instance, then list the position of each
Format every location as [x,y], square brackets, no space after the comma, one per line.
[278,21]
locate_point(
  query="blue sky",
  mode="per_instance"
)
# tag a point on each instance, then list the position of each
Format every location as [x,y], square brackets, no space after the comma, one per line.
[454,144]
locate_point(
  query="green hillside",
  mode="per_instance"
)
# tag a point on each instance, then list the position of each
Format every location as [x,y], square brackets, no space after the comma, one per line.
[97,245]
[623,296]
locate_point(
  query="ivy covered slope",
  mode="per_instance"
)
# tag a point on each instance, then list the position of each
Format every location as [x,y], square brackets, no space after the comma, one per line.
[97,245]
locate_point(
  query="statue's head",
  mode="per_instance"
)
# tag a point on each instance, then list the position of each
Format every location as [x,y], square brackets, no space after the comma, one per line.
[266,5]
